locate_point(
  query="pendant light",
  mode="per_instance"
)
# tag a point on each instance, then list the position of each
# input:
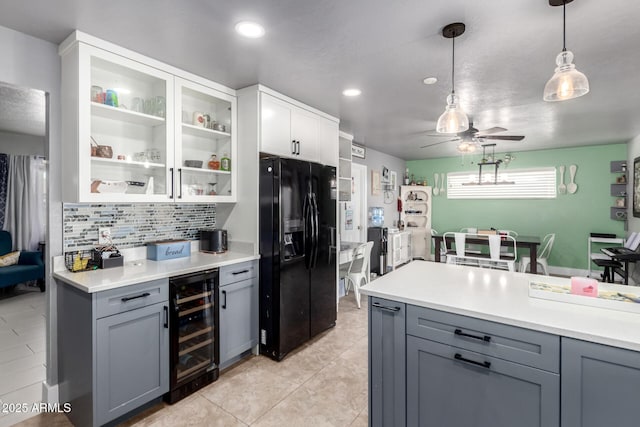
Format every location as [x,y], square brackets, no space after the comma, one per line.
[567,82]
[453,120]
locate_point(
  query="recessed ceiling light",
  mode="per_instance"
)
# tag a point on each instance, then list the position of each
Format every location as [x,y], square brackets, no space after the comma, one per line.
[430,80]
[250,29]
[351,92]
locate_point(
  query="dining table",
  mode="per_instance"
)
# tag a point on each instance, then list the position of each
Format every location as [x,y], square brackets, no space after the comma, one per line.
[347,249]
[529,242]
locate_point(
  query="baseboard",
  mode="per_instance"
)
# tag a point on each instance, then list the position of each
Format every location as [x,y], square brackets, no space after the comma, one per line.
[49,393]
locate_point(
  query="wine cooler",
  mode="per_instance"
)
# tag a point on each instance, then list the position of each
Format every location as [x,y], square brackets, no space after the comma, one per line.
[195,349]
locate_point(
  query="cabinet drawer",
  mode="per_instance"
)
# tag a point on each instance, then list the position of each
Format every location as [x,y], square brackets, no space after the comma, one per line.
[128,298]
[449,386]
[531,348]
[238,272]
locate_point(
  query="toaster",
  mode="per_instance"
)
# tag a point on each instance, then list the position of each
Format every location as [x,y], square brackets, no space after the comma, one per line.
[213,241]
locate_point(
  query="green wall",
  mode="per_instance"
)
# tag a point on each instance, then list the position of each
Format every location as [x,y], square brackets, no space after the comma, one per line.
[572,216]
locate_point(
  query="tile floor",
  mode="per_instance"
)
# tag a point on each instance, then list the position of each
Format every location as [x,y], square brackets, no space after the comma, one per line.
[22,349]
[324,383]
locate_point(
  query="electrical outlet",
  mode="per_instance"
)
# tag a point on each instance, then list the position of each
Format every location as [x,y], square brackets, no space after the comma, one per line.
[104,236]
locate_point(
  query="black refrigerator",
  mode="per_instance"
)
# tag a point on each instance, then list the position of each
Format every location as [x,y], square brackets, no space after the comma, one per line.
[297,272]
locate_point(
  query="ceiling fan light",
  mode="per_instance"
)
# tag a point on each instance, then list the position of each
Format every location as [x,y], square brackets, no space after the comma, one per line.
[567,82]
[454,119]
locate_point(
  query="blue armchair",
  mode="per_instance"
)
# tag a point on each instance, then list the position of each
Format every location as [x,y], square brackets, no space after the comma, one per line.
[29,267]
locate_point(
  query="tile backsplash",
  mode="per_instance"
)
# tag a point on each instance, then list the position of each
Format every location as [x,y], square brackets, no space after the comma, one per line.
[134,224]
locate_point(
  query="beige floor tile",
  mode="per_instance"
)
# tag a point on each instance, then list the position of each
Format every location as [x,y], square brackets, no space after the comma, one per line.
[21,364]
[18,380]
[305,407]
[250,392]
[46,420]
[15,352]
[343,382]
[194,410]
[297,367]
[37,346]
[361,421]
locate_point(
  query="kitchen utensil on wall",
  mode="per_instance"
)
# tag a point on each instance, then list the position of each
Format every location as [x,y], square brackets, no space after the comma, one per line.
[436,190]
[562,188]
[572,187]
[442,190]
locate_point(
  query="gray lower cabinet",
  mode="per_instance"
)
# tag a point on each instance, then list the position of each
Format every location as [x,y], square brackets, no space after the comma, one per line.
[387,361]
[449,386]
[600,385]
[132,360]
[238,311]
[113,349]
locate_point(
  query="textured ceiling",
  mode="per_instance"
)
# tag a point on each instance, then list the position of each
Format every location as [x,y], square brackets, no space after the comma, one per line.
[22,110]
[314,49]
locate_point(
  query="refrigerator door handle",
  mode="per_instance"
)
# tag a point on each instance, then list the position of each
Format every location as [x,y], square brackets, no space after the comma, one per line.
[316,233]
[307,237]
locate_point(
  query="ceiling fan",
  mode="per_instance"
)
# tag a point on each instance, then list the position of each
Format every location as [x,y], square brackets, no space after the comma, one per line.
[472,138]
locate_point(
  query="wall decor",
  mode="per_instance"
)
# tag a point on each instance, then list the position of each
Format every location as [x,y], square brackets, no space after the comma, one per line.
[636,187]
[375,183]
[393,179]
[386,179]
[358,151]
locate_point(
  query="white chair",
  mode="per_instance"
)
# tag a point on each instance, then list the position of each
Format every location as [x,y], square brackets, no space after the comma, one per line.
[471,248]
[505,249]
[542,255]
[358,270]
[498,257]
[457,251]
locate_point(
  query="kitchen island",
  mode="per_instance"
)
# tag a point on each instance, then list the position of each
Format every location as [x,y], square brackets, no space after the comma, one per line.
[461,346]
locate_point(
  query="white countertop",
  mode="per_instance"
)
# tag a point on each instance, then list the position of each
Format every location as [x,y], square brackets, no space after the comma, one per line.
[144,270]
[503,297]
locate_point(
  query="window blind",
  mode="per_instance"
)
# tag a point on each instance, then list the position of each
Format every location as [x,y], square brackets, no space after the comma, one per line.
[535,183]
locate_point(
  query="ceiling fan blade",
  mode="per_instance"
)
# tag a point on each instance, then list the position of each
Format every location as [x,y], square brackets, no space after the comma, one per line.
[438,143]
[502,137]
[494,129]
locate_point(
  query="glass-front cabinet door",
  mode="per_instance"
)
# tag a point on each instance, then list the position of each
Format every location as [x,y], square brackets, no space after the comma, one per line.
[205,149]
[125,131]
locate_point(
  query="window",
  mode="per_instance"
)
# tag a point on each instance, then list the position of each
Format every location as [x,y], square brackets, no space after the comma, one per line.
[536,183]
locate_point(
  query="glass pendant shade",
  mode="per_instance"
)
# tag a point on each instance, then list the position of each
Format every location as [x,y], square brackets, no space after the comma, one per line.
[567,82]
[453,120]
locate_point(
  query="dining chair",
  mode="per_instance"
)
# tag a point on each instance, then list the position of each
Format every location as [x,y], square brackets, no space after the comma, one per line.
[543,255]
[471,248]
[358,270]
[505,249]
[456,250]
[497,257]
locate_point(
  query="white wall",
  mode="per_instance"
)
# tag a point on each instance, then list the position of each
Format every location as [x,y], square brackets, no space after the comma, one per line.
[375,160]
[34,63]
[22,144]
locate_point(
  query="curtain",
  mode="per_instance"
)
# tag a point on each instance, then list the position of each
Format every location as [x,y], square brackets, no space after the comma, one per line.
[4,175]
[26,198]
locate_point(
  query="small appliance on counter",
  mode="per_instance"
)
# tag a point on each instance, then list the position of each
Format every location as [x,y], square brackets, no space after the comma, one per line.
[213,241]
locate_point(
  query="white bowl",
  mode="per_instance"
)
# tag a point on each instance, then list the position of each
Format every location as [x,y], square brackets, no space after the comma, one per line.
[117,187]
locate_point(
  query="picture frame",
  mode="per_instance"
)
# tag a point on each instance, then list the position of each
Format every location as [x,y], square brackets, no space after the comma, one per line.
[636,187]
[375,183]
[386,179]
[358,151]
[393,180]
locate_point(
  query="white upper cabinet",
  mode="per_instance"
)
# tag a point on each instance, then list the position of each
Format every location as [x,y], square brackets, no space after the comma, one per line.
[289,130]
[205,149]
[304,131]
[328,142]
[275,127]
[124,135]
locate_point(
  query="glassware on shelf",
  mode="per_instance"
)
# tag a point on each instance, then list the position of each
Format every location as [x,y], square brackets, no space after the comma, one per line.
[225,163]
[214,163]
